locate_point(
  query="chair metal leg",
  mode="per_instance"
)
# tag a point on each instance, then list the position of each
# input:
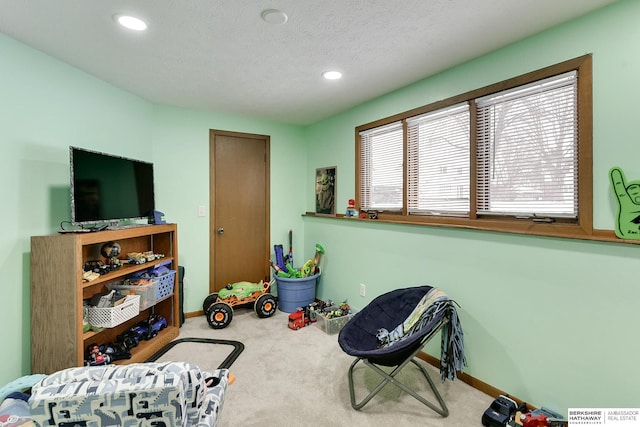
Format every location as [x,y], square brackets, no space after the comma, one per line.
[390,378]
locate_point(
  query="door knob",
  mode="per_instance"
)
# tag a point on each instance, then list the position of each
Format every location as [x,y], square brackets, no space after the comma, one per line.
[220,230]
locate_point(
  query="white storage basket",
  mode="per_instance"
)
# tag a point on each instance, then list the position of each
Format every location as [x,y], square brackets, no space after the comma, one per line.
[113,316]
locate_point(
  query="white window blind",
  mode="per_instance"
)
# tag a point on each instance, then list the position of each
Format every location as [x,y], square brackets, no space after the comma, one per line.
[527,150]
[381,157]
[438,162]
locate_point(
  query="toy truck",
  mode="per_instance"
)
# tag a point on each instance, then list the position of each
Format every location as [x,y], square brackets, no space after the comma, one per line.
[301,318]
[500,412]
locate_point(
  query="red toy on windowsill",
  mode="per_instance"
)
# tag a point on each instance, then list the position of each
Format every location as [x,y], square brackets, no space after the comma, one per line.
[351,212]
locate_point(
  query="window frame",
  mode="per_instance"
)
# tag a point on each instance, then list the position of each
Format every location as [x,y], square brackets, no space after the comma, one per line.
[580,228]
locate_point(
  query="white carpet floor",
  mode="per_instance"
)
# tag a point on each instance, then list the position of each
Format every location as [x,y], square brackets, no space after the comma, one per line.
[295,378]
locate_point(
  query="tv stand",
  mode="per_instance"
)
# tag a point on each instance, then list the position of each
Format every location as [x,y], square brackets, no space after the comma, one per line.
[125,226]
[57,293]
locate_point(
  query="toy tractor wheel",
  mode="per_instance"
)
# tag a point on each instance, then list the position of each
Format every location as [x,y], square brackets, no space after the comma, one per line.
[265,306]
[219,315]
[208,301]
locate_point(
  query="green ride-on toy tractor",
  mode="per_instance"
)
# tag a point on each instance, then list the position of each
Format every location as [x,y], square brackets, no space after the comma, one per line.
[218,307]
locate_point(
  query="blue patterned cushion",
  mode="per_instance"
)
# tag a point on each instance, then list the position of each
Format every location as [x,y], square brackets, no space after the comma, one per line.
[173,392]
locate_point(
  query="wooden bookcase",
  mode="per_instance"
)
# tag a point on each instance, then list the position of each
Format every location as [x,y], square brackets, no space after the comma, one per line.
[57,293]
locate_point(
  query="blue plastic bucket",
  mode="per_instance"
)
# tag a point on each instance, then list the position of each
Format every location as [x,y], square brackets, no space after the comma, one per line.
[294,293]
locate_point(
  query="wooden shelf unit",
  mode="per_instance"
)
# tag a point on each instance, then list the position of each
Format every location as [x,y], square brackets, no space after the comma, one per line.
[57,292]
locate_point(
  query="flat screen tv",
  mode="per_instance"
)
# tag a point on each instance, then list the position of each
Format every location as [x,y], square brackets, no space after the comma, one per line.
[109,189]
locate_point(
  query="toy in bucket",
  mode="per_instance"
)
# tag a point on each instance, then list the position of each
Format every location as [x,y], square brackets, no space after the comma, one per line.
[297,287]
[316,258]
[309,268]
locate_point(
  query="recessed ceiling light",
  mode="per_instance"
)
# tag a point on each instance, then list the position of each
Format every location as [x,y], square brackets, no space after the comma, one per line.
[131,22]
[274,16]
[332,75]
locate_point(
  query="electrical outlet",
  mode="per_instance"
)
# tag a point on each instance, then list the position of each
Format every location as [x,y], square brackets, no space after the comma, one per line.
[363,289]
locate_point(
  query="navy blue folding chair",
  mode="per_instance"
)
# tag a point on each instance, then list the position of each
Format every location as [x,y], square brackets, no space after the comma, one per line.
[361,337]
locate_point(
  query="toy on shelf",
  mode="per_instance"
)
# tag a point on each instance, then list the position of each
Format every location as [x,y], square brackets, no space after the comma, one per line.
[369,215]
[111,251]
[351,212]
[218,307]
[105,354]
[98,267]
[96,357]
[142,257]
[145,330]
[150,327]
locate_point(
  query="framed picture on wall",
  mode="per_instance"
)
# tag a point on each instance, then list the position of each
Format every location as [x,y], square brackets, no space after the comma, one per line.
[326,190]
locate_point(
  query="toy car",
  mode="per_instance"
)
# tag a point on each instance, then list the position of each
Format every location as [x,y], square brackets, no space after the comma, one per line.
[218,307]
[144,330]
[129,339]
[155,324]
[500,412]
[105,354]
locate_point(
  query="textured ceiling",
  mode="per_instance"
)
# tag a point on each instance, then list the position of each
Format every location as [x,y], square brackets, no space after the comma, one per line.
[221,56]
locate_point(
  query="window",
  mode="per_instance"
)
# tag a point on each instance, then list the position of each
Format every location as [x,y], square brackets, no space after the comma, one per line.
[514,156]
[438,162]
[382,159]
[527,150]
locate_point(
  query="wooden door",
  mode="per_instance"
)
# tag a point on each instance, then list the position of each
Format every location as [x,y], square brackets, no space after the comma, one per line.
[239,206]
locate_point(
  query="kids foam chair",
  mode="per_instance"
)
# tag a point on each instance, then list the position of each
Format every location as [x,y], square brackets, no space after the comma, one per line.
[393,328]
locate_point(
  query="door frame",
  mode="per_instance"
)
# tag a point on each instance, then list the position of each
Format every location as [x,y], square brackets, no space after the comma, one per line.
[212,197]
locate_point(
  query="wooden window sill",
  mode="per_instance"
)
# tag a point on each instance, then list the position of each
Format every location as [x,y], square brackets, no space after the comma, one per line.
[544,230]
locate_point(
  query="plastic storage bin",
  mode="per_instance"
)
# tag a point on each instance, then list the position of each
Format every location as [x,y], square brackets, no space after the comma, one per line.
[163,285]
[332,325]
[158,288]
[113,316]
[294,293]
[147,293]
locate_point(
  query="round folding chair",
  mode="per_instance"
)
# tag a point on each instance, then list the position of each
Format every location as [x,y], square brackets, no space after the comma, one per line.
[358,338]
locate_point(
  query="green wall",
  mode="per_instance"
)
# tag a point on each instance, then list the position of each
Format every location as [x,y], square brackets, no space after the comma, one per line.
[552,321]
[181,149]
[527,302]
[46,106]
